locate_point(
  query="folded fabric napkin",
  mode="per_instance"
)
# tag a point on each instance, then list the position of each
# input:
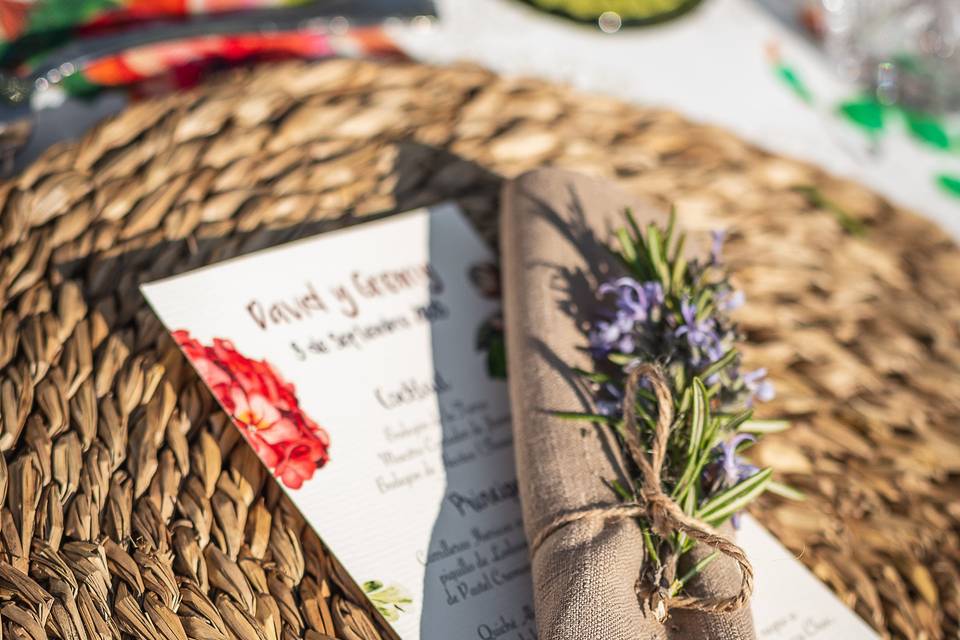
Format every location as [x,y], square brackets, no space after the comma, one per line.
[555,227]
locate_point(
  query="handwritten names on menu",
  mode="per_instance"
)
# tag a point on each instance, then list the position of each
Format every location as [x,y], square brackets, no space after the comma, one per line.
[796,626]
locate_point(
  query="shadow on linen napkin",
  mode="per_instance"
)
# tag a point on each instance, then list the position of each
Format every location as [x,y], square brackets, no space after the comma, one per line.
[554,228]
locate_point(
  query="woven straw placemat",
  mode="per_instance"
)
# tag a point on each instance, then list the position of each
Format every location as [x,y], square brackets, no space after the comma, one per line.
[132,508]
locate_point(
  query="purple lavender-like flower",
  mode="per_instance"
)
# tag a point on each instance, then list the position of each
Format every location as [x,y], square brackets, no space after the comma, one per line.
[718,237]
[731,300]
[634,299]
[699,333]
[759,387]
[714,352]
[612,404]
[733,468]
[635,302]
[612,335]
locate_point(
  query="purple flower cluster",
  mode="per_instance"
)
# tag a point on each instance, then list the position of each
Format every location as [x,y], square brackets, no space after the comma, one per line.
[734,469]
[636,303]
[611,401]
[729,468]
[676,314]
[701,334]
[758,386]
[630,327]
[731,300]
[718,237]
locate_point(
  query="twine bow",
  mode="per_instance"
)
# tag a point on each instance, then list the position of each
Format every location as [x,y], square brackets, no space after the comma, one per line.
[665,516]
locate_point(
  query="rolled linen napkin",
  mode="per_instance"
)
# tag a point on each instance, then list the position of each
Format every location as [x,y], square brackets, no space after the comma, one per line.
[555,227]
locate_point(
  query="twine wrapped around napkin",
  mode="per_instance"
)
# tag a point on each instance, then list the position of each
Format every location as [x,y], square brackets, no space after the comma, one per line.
[555,226]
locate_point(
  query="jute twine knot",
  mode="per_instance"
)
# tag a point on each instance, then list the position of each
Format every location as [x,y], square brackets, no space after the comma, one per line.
[664,514]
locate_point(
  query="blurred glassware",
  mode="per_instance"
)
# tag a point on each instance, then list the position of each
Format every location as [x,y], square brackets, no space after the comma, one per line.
[903,52]
[611,15]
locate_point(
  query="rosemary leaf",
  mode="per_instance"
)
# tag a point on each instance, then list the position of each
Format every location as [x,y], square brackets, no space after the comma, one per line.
[694,571]
[723,505]
[574,416]
[592,376]
[786,491]
[620,490]
[711,436]
[627,246]
[704,304]
[668,236]
[685,400]
[657,257]
[651,549]
[721,429]
[679,270]
[620,359]
[721,364]
[699,416]
[635,228]
[765,426]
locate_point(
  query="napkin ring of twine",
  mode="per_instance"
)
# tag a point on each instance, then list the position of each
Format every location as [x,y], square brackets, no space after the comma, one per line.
[665,515]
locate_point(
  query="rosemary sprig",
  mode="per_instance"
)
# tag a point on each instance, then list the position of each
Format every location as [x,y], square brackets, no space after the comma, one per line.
[674,311]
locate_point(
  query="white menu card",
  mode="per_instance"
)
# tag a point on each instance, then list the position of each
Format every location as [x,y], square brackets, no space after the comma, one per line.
[378,415]
[354,365]
[789,602]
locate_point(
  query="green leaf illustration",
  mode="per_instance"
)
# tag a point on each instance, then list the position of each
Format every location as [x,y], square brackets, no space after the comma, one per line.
[950,184]
[497,357]
[390,601]
[866,114]
[790,78]
[927,129]
[491,340]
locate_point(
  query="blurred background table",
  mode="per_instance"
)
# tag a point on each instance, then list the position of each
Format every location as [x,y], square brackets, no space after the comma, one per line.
[723,63]
[713,65]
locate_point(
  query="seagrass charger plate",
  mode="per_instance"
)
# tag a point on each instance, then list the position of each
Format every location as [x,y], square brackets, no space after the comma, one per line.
[132,509]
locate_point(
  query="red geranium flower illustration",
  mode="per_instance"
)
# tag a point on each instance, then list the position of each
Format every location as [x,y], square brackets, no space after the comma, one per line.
[264,407]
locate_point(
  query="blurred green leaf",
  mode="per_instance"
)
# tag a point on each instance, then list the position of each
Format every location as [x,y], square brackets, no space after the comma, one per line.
[785,491]
[950,184]
[927,129]
[720,364]
[793,81]
[866,113]
[851,225]
[765,426]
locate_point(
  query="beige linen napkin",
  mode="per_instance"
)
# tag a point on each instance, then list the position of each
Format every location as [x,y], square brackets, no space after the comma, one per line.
[554,226]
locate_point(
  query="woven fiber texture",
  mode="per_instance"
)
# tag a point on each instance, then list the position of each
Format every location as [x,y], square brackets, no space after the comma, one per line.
[130,506]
